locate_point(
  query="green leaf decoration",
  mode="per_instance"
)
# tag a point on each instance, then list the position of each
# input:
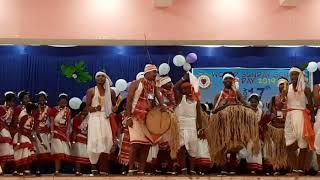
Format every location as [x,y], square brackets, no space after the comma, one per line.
[76,72]
[80,66]
[304,66]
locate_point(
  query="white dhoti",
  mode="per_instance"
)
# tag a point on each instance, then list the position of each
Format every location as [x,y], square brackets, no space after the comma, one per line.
[189,139]
[99,136]
[203,155]
[294,128]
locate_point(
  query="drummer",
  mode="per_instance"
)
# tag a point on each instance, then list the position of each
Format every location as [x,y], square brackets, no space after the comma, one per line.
[188,113]
[164,160]
[229,96]
[140,100]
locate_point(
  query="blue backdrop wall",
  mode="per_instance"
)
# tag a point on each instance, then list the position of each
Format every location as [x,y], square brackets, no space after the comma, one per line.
[36,68]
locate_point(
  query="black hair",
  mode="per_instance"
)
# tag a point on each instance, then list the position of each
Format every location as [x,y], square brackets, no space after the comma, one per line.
[82,106]
[283,78]
[122,103]
[203,106]
[9,97]
[30,107]
[22,94]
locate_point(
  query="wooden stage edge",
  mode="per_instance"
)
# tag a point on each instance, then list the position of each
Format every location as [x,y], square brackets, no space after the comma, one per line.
[162,178]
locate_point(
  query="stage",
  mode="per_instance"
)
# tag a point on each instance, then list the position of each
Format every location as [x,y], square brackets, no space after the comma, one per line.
[162,178]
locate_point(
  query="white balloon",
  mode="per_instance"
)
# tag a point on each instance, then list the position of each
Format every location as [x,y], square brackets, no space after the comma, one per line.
[312,67]
[187,67]
[179,60]
[115,90]
[75,103]
[121,85]
[164,69]
[140,75]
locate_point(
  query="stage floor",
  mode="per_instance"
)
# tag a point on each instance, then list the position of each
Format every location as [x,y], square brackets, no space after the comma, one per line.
[163,178]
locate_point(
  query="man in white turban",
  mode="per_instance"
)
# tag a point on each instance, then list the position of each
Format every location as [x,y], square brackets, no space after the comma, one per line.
[298,129]
[99,101]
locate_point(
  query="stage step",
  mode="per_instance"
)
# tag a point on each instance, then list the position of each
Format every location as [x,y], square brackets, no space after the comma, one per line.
[163,178]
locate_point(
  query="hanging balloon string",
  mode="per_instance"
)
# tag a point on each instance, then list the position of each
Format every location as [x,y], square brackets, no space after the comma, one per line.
[146,47]
[169,59]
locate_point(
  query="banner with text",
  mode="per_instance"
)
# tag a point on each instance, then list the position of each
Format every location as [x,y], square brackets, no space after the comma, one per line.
[262,81]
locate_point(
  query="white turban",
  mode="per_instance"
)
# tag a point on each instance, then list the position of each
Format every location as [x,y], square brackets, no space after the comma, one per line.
[163,80]
[8,92]
[108,103]
[301,84]
[281,81]
[227,75]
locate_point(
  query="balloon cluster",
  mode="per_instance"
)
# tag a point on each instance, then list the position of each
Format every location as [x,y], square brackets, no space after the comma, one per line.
[180,60]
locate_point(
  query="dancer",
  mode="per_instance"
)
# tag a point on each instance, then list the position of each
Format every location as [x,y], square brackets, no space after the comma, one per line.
[100,140]
[24,151]
[24,99]
[254,162]
[6,112]
[42,128]
[227,97]
[188,113]
[141,99]
[203,161]
[79,153]
[298,129]
[60,143]
[274,138]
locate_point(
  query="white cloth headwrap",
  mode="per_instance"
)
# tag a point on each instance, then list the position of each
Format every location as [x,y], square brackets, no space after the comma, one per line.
[301,84]
[227,75]
[163,80]
[105,75]
[63,94]
[235,84]
[8,92]
[253,94]
[281,81]
[43,93]
[107,96]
